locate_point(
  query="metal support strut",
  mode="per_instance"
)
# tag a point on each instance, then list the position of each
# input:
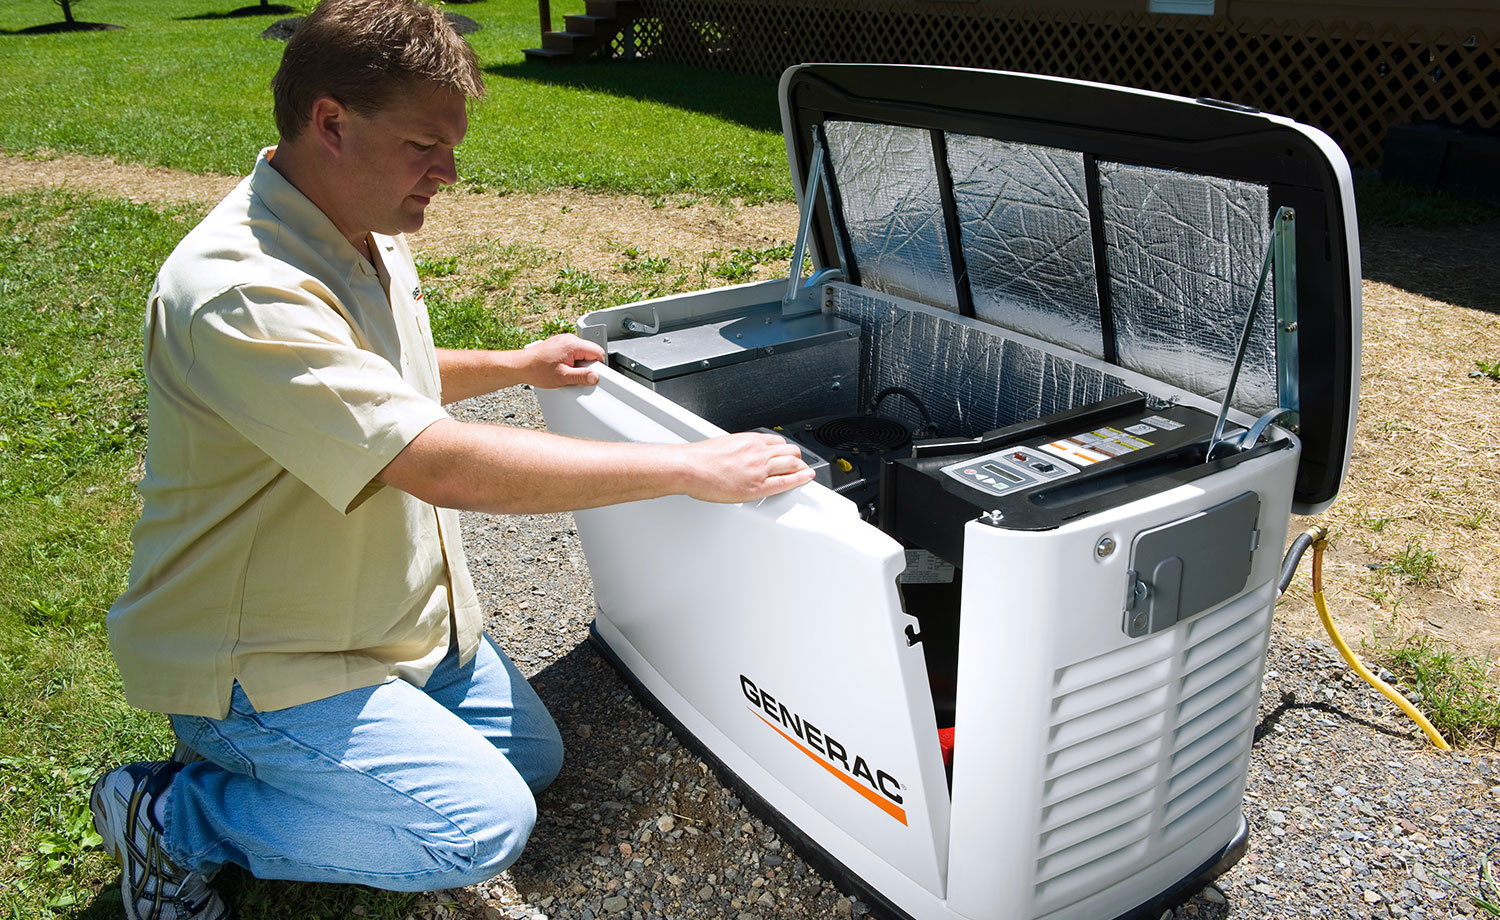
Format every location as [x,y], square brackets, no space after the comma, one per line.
[809,202]
[1281,251]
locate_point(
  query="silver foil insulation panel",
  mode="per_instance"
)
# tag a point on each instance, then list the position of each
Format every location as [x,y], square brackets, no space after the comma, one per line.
[1182,257]
[893,212]
[969,378]
[1184,253]
[1027,240]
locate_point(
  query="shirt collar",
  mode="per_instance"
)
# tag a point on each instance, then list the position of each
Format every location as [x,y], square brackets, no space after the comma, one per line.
[294,209]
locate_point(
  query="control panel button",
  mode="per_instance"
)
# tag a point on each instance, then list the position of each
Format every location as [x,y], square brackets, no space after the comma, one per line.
[1008,471]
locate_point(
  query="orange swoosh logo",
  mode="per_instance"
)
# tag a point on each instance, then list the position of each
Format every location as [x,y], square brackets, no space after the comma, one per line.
[876,799]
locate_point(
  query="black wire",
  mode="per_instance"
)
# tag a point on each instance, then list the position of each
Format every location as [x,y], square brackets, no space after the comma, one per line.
[1291,561]
[927,425]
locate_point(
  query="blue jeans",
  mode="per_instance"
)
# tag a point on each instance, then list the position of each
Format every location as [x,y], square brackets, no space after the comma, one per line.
[393,786]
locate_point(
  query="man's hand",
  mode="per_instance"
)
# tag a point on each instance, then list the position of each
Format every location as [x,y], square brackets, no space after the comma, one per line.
[560,361]
[746,467]
[550,363]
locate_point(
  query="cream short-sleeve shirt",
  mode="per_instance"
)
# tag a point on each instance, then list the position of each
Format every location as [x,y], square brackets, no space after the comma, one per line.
[284,372]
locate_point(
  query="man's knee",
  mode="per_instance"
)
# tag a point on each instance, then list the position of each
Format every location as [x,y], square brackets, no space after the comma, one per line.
[536,752]
[477,840]
[495,841]
[549,763]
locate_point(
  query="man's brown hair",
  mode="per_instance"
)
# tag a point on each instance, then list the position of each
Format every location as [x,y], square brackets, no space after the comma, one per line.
[362,52]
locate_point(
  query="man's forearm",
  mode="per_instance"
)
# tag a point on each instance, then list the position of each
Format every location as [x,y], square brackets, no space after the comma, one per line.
[505,470]
[472,372]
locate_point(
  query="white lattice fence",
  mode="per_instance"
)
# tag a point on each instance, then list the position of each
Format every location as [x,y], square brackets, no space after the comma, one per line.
[1352,81]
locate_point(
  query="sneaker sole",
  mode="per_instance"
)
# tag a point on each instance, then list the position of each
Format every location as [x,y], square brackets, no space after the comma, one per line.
[100,802]
[99,808]
[104,818]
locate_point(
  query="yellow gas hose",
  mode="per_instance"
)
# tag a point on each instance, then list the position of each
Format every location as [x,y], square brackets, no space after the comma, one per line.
[1319,538]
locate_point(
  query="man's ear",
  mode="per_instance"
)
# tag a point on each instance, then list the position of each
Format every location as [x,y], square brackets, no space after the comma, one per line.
[329,123]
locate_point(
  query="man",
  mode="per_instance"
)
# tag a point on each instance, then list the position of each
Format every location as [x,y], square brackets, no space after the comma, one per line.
[298,600]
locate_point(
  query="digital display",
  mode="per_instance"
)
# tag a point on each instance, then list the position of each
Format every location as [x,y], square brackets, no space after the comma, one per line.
[1001,472]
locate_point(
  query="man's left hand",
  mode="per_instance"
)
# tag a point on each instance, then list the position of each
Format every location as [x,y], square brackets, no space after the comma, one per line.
[561,361]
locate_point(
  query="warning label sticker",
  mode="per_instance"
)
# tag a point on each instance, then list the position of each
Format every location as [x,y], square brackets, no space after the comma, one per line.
[924,568]
[1068,449]
[1165,424]
[1096,445]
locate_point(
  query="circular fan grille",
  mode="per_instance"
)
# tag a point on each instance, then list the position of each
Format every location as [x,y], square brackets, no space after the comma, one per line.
[863,433]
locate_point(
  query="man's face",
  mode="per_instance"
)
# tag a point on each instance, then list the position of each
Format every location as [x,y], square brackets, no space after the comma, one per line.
[394,161]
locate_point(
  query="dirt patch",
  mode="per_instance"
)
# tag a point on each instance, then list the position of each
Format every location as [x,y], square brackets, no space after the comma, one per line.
[589,230]
[585,230]
[1416,544]
[1415,547]
[142,184]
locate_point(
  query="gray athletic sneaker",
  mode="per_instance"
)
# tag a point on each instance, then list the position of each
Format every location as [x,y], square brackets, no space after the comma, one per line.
[152,886]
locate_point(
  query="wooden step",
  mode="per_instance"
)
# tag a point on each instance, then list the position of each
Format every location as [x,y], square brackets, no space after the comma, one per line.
[559,41]
[587,24]
[548,56]
[611,8]
[584,34]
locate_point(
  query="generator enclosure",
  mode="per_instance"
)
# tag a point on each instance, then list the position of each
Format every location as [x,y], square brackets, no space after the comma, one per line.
[1066,360]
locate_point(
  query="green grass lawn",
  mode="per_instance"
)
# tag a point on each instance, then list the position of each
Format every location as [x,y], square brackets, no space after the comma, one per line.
[72,412]
[183,85]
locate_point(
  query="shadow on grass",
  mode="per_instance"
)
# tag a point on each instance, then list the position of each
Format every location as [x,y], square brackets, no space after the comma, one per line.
[749,101]
[1455,265]
[1430,243]
[274,9]
[250,898]
[106,904]
[52,28]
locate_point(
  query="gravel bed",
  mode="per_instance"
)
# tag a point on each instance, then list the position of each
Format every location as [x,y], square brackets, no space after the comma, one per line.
[1352,814]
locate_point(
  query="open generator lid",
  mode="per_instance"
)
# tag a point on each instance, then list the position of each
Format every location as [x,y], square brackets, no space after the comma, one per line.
[1134,227]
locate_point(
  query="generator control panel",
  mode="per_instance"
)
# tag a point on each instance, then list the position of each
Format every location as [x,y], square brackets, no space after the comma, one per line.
[1006,471]
[1039,474]
[1014,468]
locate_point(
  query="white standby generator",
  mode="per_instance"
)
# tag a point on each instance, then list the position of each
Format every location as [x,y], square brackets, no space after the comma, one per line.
[1068,357]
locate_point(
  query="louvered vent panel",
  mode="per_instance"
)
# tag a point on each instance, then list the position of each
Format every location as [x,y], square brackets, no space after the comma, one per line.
[1098,721]
[1137,656]
[1147,749]
[1201,761]
[1109,693]
[1216,717]
[1232,707]
[1127,811]
[1217,801]
[1205,801]
[1094,798]
[1110,746]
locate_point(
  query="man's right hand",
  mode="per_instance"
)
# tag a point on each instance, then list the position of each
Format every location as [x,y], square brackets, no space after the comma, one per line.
[747,467]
